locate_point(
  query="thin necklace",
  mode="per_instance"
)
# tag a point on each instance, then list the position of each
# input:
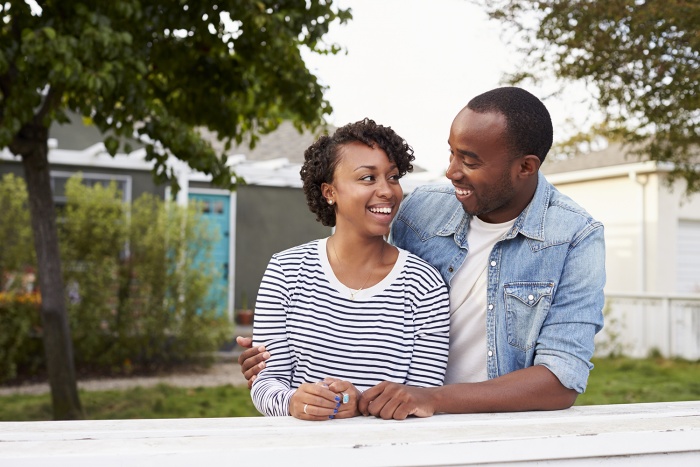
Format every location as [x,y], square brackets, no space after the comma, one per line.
[352,294]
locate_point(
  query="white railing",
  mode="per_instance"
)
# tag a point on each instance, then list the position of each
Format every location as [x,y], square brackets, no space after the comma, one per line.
[639,324]
[631,435]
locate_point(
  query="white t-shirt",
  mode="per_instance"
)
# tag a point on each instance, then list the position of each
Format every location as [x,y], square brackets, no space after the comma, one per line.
[467,360]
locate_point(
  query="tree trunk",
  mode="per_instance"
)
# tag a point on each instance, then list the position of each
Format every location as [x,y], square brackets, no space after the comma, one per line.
[58,346]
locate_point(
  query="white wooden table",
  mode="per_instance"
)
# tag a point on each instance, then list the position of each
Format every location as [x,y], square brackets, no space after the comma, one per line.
[634,434]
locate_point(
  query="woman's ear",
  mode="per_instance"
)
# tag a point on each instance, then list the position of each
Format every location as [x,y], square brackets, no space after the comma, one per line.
[327,191]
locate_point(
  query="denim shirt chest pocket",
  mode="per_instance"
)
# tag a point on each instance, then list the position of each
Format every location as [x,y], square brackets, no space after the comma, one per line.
[527,305]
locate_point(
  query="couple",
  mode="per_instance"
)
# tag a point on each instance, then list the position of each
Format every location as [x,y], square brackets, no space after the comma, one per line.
[524,266]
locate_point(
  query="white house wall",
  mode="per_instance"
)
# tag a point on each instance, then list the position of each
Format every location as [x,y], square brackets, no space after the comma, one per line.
[614,202]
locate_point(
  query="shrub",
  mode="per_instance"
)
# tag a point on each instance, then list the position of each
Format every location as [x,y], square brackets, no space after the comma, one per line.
[136,298]
[165,310]
[16,240]
[19,336]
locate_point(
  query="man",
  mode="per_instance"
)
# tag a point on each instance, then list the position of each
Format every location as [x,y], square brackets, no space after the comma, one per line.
[525,266]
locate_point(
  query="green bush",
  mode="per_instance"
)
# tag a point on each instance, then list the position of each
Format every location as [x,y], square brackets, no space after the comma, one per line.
[16,240]
[136,299]
[165,310]
[19,303]
[20,346]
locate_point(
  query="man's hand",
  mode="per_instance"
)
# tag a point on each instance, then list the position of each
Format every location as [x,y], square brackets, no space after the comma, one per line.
[392,400]
[252,361]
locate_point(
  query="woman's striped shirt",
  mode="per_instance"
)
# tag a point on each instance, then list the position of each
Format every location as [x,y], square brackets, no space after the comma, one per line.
[396,330]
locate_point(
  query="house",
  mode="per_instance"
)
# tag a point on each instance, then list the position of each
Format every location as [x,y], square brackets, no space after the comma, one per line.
[267,215]
[652,235]
[652,231]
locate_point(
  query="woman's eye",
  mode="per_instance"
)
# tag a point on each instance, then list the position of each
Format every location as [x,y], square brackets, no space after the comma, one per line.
[367,178]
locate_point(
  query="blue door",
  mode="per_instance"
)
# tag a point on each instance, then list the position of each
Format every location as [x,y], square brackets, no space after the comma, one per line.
[215,210]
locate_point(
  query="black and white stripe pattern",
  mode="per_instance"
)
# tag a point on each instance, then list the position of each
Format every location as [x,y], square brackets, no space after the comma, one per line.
[397,331]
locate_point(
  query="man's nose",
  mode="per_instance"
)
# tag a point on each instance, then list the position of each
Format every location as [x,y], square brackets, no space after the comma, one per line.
[453,171]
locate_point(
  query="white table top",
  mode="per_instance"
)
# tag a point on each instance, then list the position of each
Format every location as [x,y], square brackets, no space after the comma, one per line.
[632,434]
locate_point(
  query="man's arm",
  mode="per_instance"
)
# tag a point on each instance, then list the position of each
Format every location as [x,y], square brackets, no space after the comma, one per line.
[533,388]
[252,360]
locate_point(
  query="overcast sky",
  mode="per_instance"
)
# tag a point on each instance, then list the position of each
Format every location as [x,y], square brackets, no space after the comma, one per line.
[412,65]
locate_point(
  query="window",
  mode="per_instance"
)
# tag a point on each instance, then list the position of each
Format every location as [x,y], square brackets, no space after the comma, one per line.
[59,180]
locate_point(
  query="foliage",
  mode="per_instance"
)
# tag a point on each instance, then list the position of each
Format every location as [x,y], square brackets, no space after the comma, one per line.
[162,401]
[135,298]
[641,56]
[92,234]
[16,249]
[19,324]
[19,300]
[629,381]
[159,69]
[165,308]
[155,71]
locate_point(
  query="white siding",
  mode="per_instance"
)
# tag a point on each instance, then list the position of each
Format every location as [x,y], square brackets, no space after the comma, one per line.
[688,263]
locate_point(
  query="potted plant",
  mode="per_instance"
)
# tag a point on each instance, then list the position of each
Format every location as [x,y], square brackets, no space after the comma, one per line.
[244,315]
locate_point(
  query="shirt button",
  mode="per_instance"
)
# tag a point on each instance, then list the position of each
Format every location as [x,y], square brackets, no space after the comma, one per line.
[450,269]
[493,263]
[531,297]
[490,306]
[490,354]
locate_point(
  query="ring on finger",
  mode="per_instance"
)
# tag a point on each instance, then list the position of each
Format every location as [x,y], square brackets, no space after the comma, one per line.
[305,406]
[346,398]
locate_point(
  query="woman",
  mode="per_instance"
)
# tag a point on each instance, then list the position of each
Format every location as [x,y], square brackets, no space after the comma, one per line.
[344,313]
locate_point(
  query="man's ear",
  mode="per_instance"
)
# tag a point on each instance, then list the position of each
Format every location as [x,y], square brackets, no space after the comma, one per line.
[529,165]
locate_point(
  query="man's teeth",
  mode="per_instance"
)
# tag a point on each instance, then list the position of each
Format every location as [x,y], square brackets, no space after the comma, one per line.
[381,210]
[461,192]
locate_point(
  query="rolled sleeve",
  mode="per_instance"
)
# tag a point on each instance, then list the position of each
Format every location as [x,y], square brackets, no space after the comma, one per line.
[565,344]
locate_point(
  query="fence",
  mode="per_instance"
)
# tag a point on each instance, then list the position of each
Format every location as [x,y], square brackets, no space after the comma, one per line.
[638,325]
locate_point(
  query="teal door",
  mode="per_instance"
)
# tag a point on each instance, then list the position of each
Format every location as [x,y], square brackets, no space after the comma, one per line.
[215,210]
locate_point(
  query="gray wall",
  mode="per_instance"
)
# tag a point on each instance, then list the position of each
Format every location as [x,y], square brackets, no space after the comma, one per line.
[269,220]
[141,181]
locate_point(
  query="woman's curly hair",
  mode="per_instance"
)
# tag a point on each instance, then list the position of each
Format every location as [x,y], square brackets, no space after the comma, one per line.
[322,157]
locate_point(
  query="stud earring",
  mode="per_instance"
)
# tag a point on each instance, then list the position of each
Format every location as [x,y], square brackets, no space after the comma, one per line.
[330,201]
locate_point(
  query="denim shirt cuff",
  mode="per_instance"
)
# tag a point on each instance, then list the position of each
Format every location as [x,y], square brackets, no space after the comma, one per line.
[571,372]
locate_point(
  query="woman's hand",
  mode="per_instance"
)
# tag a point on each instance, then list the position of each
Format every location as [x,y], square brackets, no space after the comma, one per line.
[314,401]
[349,395]
[324,400]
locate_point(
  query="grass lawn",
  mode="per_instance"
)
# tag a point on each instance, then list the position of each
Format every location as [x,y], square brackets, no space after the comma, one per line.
[161,401]
[613,381]
[628,381]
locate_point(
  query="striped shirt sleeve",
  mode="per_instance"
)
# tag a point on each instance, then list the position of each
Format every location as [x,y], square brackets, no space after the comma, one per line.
[272,390]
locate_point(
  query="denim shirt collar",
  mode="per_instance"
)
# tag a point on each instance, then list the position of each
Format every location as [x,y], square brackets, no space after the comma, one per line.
[530,222]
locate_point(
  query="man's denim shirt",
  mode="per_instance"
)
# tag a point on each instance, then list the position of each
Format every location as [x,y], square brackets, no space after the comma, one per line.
[545,277]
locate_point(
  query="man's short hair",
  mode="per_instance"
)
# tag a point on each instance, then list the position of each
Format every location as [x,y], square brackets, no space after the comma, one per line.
[528,124]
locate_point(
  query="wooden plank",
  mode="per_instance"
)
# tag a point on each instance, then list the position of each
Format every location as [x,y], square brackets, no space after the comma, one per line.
[581,435]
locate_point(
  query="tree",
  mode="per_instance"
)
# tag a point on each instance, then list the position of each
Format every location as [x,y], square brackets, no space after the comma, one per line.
[155,71]
[642,57]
